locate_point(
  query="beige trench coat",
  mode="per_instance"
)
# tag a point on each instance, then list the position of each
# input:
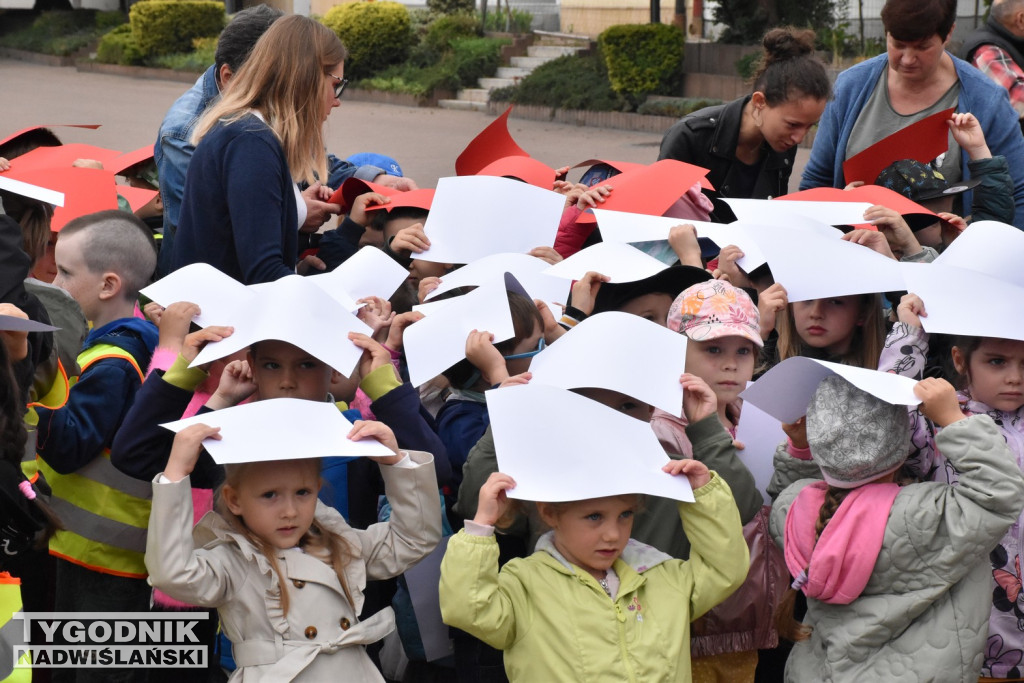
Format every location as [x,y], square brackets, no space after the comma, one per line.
[320,638]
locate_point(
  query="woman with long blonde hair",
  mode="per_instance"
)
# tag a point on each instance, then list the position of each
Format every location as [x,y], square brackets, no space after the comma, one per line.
[242,208]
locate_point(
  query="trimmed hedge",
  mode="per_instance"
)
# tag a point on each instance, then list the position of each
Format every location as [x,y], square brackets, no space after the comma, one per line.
[445,29]
[570,82]
[118,47]
[161,27]
[643,59]
[376,34]
[468,60]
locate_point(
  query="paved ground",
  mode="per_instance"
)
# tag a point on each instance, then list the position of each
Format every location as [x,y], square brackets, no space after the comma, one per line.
[424,141]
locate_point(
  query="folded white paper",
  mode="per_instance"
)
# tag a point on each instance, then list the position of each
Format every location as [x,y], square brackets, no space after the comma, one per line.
[280,429]
[620,262]
[438,341]
[368,272]
[780,211]
[812,266]
[219,296]
[528,270]
[760,434]
[296,311]
[989,247]
[559,446]
[12,323]
[476,216]
[601,352]
[785,391]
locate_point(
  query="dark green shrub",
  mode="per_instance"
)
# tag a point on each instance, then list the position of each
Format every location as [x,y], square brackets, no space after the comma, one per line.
[747,20]
[108,20]
[643,58]
[450,6]
[468,60]
[198,60]
[162,27]
[675,106]
[449,27]
[571,82]
[118,47]
[56,33]
[376,34]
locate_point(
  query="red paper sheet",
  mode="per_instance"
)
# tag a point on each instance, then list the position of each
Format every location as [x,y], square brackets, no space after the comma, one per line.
[493,143]
[129,159]
[420,199]
[922,141]
[649,190]
[527,169]
[137,197]
[63,156]
[86,190]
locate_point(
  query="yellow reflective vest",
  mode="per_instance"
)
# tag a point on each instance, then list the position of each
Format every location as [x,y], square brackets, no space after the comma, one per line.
[12,632]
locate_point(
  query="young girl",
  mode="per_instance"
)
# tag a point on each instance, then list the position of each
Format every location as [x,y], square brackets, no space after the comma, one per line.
[895,577]
[992,376]
[285,572]
[591,604]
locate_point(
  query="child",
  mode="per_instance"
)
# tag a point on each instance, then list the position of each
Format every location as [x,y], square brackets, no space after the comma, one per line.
[591,603]
[992,376]
[895,576]
[286,573]
[103,259]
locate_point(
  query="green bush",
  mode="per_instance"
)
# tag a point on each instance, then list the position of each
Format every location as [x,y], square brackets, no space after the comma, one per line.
[108,20]
[55,33]
[118,47]
[450,6]
[469,60]
[516,21]
[570,82]
[198,60]
[376,34]
[643,58]
[675,106]
[449,27]
[162,27]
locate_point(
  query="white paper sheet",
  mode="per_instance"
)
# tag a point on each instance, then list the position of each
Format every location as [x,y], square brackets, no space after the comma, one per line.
[438,341]
[36,192]
[784,391]
[960,301]
[296,311]
[760,434]
[12,323]
[560,446]
[280,429]
[528,270]
[811,266]
[601,352]
[218,296]
[476,216]
[620,262]
[780,211]
[368,272]
[988,247]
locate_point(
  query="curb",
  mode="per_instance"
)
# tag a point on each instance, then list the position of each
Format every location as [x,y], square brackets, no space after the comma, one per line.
[36,57]
[146,72]
[618,120]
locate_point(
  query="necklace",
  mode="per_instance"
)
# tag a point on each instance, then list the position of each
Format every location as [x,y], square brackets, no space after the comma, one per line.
[604,585]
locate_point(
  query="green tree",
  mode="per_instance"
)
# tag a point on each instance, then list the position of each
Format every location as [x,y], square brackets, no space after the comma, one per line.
[747,20]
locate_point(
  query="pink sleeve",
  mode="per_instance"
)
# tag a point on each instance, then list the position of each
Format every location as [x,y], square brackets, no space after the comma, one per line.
[163,358]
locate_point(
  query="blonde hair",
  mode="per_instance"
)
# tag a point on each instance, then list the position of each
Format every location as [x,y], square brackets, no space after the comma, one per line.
[865,347]
[283,79]
[318,541]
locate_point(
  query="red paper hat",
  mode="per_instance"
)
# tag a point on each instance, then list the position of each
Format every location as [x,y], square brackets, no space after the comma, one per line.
[649,190]
[86,190]
[493,143]
[129,159]
[21,132]
[527,169]
[916,215]
[353,187]
[418,199]
[922,141]
[62,157]
[137,197]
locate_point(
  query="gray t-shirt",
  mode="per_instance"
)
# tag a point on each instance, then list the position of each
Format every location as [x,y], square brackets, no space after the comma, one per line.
[878,120]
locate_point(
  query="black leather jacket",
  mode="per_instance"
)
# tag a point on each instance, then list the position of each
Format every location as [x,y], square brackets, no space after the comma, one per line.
[708,138]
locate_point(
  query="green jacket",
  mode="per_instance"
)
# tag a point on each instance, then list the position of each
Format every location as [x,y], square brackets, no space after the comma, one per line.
[555,622]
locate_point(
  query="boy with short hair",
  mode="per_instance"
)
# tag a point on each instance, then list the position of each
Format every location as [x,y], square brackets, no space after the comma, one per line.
[103,259]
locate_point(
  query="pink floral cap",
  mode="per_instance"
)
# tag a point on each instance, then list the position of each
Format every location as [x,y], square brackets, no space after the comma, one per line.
[714,309]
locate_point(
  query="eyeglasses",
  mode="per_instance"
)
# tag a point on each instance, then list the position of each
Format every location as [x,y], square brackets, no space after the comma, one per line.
[339,86]
[528,354]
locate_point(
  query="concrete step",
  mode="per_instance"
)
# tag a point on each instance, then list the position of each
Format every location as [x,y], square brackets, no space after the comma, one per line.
[529,63]
[512,72]
[492,83]
[474,95]
[551,51]
[464,105]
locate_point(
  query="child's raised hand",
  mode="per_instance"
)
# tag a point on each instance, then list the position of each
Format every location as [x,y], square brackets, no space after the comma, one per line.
[185,450]
[911,310]
[236,385]
[5,165]
[396,332]
[521,378]
[593,196]
[16,341]
[488,360]
[552,330]
[546,254]
[969,135]
[493,501]
[897,233]
[939,402]
[699,400]
[728,270]
[410,240]
[195,342]
[694,470]
[873,240]
[797,432]
[683,240]
[358,211]
[153,312]
[371,429]
[584,291]
[377,314]
[951,226]
[426,286]
[374,355]
[174,324]
[770,302]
